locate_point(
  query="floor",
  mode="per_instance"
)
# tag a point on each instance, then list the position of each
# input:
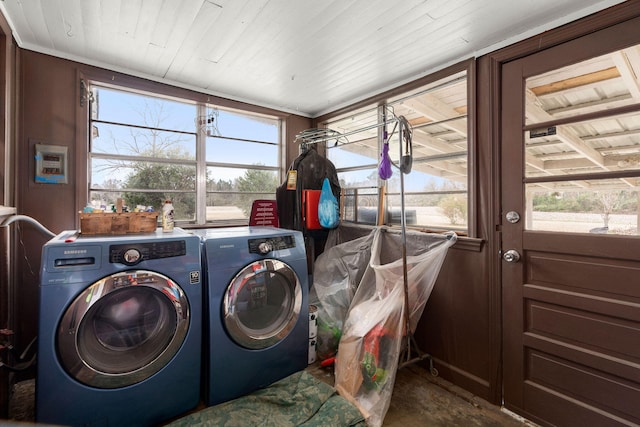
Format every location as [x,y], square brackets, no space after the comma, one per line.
[419,399]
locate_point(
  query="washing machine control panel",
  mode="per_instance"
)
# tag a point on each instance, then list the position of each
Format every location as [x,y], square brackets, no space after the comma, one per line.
[265,245]
[132,254]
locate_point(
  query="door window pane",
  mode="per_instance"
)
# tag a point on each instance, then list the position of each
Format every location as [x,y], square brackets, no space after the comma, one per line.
[582,175]
[606,144]
[602,209]
[594,85]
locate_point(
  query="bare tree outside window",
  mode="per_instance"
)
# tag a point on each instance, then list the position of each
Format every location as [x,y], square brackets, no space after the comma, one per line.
[146,149]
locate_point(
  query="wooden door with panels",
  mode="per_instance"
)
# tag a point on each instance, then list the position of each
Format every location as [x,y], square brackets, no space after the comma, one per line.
[570,197]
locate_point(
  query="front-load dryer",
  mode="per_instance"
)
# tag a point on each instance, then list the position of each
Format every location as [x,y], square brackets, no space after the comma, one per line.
[120,329]
[257,309]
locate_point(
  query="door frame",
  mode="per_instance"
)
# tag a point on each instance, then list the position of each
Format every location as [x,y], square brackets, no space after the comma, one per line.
[489,164]
[625,17]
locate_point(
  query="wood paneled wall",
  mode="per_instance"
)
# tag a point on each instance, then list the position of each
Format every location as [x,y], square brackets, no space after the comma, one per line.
[7,133]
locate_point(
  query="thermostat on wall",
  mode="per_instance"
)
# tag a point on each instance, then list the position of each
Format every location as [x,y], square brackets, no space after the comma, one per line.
[51,164]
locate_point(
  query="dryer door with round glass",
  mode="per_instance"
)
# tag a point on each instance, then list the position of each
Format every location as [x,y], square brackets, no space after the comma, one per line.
[122,329]
[262,304]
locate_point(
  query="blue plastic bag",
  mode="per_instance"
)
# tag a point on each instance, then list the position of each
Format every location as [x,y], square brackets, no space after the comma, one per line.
[328,208]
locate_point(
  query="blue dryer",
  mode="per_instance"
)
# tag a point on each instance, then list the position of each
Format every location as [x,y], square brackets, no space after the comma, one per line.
[257,309]
[120,330]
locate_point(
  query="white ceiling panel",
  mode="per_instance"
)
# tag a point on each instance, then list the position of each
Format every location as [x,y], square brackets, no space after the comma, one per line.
[303,56]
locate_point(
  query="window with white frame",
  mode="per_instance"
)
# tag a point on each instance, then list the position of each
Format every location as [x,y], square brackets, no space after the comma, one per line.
[212,163]
[436,188]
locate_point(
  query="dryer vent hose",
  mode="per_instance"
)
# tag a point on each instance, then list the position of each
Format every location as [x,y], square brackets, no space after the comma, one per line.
[22,360]
[42,228]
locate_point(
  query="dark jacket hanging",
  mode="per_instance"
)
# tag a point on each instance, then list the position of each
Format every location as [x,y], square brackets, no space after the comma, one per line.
[311,169]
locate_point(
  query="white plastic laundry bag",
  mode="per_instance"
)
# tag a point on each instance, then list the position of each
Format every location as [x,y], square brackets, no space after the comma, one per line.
[337,273]
[372,337]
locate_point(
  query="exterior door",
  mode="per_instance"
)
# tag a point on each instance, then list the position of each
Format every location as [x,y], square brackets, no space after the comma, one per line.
[570,156]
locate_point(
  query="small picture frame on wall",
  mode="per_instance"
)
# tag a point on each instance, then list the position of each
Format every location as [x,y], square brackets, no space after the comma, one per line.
[51,164]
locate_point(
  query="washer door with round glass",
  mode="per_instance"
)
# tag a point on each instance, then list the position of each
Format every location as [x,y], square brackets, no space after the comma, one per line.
[123,329]
[262,304]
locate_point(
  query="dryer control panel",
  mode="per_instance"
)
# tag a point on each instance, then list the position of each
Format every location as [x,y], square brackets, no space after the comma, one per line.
[265,245]
[131,254]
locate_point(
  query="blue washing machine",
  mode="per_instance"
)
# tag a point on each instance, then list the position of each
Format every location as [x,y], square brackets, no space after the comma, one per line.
[257,309]
[120,330]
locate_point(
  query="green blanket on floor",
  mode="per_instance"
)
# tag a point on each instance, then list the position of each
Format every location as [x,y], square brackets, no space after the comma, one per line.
[298,400]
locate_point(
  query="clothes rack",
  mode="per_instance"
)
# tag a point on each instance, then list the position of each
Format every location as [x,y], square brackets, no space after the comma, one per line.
[319,135]
[411,346]
[412,353]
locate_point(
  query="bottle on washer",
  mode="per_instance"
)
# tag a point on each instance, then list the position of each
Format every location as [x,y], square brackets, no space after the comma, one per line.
[167,216]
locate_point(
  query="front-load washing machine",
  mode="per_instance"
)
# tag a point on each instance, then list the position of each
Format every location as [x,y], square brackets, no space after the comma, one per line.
[120,329]
[257,309]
